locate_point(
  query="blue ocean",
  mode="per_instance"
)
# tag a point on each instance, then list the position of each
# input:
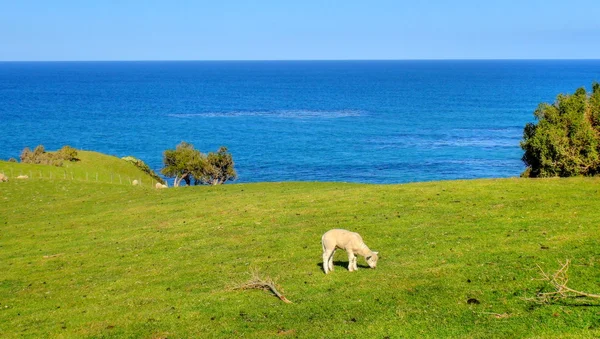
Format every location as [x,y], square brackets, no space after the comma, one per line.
[351,121]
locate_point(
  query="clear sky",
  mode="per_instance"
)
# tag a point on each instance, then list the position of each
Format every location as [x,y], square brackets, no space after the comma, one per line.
[298,30]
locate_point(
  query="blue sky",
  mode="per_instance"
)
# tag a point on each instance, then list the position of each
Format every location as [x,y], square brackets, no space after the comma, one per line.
[298,30]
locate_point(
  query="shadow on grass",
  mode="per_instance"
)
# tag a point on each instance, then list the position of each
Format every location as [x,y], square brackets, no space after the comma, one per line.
[580,303]
[342,264]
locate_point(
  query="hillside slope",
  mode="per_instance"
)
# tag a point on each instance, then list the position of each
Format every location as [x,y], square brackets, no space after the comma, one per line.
[91,259]
[92,166]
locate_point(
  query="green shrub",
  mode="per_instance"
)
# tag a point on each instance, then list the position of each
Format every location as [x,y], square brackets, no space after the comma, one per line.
[40,156]
[67,153]
[565,142]
[187,163]
[144,167]
[219,168]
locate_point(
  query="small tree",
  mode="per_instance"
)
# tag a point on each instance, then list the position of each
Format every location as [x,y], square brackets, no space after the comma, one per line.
[26,155]
[67,153]
[183,163]
[566,140]
[219,167]
[188,164]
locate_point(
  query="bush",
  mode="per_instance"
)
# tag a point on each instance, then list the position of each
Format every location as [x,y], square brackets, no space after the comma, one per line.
[183,163]
[40,156]
[219,167]
[144,167]
[67,153]
[566,140]
[188,164]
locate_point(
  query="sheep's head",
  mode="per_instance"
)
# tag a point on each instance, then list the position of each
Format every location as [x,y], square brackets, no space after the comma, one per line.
[372,259]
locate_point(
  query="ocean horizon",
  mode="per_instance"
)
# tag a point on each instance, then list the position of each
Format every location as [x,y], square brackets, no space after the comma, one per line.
[301,60]
[369,121]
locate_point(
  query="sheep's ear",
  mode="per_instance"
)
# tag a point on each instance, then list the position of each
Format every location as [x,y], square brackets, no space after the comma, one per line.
[376,252]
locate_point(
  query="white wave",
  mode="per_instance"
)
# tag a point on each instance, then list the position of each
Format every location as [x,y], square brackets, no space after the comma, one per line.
[288,114]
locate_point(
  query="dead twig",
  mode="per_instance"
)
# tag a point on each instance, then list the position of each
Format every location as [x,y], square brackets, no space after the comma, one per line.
[561,291]
[256,282]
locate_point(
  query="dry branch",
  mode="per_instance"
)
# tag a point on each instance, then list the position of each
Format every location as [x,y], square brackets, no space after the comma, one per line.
[559,281]
[256,282]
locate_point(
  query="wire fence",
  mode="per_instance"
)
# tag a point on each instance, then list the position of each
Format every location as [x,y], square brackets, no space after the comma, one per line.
[103,177]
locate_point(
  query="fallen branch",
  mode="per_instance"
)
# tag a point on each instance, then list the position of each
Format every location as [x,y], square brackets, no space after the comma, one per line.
[256,282]
[559,281]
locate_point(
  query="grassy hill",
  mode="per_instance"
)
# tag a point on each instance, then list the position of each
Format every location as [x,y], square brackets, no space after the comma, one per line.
[93,259]
[92,166]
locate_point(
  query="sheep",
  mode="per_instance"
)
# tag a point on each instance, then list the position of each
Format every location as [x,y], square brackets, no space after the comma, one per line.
[159,185]
[23,177]
[3,177]
[351,242]
[135,183]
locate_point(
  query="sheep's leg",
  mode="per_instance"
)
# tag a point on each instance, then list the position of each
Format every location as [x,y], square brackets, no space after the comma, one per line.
[330,262]
[354,262]
[327,256]
[351,258]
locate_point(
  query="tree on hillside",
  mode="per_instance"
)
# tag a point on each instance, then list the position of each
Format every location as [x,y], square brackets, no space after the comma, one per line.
[67,153]
[188,164]
[183,163]
[219,167]
[566,140]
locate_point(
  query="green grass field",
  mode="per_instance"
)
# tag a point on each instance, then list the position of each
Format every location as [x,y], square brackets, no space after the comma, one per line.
[87,258]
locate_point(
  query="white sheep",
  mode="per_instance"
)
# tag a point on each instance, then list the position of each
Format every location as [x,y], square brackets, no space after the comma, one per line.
[351,242]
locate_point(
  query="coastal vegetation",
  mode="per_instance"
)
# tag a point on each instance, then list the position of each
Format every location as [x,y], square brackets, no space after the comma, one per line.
[103,258]
[89,167]
[40,156]
[144,167]
[566,139]
[190,165]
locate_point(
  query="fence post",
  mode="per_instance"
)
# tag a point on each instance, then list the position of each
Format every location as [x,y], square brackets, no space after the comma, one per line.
[120,181]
